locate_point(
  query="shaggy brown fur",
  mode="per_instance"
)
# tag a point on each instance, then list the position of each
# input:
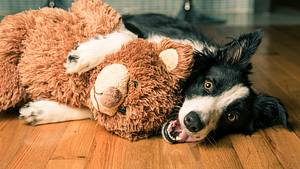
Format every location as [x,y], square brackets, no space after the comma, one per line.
[33,49]
[42,38]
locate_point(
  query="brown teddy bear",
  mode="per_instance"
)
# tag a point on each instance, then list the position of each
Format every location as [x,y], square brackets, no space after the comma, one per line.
[130,89]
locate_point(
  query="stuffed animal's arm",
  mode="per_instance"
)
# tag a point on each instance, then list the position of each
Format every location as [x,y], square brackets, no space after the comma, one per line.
[89,54]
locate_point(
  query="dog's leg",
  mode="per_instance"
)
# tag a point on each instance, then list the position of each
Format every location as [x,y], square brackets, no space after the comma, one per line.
[89,54]
[44,111]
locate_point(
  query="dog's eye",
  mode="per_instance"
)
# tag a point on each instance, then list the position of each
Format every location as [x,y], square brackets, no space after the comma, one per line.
[232,117]
[208,85]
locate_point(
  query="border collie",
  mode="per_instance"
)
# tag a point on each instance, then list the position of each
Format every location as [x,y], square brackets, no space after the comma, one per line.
[218,95]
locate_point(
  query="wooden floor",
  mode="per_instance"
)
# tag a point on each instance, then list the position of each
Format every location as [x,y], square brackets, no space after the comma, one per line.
[83,144]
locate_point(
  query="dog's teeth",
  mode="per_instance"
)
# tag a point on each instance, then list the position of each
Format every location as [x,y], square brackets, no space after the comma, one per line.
[170,135]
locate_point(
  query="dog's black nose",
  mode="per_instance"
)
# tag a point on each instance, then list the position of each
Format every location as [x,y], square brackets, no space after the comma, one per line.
[193,122]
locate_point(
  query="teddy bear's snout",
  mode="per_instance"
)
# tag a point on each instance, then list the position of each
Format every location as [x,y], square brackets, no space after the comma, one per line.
[110,89]
[111,97]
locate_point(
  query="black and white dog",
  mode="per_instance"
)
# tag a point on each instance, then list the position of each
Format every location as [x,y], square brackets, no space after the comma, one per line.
[218,95]
[219,98]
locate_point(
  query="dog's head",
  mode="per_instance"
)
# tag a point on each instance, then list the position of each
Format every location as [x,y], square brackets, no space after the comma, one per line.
[219,98]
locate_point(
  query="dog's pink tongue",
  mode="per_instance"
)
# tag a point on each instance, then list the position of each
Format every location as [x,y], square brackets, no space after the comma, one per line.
[183,136]
[186,138]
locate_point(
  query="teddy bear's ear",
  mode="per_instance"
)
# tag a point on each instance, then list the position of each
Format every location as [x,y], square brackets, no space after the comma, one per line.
[177,57]
[97,17]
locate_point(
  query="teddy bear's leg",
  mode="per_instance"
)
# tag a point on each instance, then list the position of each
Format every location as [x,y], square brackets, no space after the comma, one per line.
[44,111]
[11,92]
[89,54]
[12,33]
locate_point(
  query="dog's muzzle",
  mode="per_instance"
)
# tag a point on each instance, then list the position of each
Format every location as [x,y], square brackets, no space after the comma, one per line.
[173,132]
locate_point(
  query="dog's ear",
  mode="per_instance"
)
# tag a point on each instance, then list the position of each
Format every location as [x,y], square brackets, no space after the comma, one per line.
[267,111]
[240,50]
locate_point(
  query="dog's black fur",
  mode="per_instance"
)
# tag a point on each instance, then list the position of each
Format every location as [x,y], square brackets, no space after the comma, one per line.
[226,66]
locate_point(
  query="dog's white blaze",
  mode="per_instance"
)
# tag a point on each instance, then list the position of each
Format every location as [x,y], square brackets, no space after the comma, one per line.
[204,106]
[235,93]
[196,44]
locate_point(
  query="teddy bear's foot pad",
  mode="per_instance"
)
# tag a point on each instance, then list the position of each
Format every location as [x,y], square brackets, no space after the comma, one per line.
[43,112]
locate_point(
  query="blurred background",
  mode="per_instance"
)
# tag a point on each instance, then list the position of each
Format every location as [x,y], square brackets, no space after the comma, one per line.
[227,12]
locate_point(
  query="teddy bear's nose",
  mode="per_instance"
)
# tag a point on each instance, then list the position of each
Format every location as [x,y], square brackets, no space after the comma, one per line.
[111,97]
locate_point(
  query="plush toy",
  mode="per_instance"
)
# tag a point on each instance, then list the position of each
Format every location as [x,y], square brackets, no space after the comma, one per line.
[130,92]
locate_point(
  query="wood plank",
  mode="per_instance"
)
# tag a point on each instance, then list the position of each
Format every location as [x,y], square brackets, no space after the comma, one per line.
[254,152]
[287,153]
[38,146]
[112,152]
[103,154]
[69,164]
[221,155]
[12,134]
[291,31]
[276,42]
[75,145]
[77,140]
[171,156]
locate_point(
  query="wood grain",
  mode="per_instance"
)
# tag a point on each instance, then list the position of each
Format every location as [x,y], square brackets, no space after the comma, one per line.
[84,145]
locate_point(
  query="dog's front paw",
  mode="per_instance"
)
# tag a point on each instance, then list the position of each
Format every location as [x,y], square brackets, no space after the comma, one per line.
[79,63]
[34,114]
[86,56]
[91,53]
[76,63]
